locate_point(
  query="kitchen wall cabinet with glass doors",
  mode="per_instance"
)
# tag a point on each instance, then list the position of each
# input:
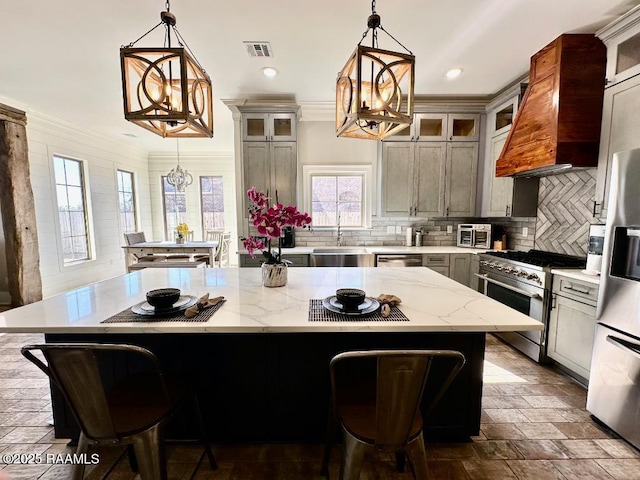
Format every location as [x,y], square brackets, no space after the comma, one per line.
[620,128]
[506,196]
[269,154]
[430,168]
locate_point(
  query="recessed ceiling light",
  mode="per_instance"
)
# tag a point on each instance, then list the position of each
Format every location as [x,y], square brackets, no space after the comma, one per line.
[130,135]
[269,72]
[454,73]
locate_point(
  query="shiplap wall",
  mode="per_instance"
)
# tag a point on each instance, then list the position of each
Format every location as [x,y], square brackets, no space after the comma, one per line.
[102,157]
[198,164]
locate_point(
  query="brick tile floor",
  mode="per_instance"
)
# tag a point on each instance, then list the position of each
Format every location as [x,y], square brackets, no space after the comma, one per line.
[534,427]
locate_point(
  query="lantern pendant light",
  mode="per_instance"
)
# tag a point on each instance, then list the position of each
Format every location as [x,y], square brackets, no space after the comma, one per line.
[374,90]
[165,89]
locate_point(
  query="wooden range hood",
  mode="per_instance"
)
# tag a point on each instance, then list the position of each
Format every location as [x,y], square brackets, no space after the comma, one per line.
[557,126]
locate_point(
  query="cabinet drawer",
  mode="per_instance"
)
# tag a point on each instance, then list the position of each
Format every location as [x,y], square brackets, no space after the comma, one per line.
[297,260]
[571,288]
[441,270]
[435,259]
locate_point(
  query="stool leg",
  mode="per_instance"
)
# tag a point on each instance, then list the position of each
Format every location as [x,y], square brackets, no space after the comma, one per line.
[83,446]
[152,462]
[417,455]
[203,433]
[352,458]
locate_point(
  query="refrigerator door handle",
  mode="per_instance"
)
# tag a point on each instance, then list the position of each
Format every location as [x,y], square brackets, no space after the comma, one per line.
[625,345]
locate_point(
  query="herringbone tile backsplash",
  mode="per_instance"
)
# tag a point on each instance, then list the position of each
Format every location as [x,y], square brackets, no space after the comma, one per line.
[565,204]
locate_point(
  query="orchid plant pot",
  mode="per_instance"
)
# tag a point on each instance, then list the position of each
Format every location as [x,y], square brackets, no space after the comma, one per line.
[274,274]
[180,240]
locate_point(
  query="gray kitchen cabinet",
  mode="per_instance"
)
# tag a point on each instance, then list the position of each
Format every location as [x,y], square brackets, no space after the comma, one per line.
[429,178]
[572,324]
[509,197]
[270,167]
[460,268]
[622,39]
[296,259]
[268,127]
[440,127]
[620,131]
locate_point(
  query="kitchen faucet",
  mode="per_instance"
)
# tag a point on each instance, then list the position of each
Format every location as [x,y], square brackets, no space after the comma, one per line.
[339,234]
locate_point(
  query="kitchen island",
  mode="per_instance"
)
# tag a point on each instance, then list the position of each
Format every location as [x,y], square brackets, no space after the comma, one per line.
[260,365]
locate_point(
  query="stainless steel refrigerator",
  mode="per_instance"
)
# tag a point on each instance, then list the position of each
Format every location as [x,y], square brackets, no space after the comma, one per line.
[614,381]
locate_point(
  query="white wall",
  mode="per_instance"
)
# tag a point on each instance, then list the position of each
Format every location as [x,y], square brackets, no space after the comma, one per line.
[204,164]
[318,145]
[46,137]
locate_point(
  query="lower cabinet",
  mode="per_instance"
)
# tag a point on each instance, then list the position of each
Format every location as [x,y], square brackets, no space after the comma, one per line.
[456,266]
[572,324]
[297,260]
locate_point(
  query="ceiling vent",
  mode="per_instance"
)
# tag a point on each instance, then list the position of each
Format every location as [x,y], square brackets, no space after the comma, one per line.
[258,49]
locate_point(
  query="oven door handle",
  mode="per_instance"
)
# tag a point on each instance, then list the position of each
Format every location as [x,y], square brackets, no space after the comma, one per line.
[486,278]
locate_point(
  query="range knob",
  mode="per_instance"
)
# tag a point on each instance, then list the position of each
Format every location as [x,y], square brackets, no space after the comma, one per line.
[534,277]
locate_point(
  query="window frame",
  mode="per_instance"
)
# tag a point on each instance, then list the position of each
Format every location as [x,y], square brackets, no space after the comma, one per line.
[87,211]
[364,171]
[202,212]
[134,197]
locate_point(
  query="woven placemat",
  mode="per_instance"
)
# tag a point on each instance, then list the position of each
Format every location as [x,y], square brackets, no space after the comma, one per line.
[127,315]
[317,313]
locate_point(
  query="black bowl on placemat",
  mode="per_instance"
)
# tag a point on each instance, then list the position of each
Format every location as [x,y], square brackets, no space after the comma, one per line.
[162,298]
[350,298]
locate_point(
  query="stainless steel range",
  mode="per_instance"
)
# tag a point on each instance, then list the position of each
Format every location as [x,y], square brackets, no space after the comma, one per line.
[522,280]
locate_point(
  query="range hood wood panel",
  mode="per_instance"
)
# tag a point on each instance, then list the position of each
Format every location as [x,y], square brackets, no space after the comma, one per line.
[558,123]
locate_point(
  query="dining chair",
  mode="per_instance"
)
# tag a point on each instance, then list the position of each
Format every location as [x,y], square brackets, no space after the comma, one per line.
[222,250]
[139,237]
[382,409]
[131,411]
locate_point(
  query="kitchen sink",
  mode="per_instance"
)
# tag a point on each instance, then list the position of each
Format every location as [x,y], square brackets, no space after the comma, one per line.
[341,257]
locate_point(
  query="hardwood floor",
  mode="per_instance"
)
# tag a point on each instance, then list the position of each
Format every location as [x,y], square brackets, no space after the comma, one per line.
[534,427]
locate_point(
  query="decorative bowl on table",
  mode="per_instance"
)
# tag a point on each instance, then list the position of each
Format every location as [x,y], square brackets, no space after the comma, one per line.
[350,298]
[163,298]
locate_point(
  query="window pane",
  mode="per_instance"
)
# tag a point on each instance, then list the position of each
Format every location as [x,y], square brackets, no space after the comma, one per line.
[175,208]
[72,215]
[212,201]
[127,204]
[72,169]
[333,194]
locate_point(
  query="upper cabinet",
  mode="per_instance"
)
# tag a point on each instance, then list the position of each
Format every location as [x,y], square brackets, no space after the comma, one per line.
[269,127]
[622,39]
[558,123]
[440,127]
[506,196]
[269,152]
[620,128]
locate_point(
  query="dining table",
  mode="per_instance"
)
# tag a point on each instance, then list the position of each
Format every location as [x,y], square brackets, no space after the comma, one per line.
[137,250]
[260,358]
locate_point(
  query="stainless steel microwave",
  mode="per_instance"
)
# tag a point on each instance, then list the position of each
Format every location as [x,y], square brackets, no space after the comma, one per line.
[474,235]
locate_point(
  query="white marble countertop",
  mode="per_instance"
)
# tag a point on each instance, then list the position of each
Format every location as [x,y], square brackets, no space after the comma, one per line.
[383,249]
[577,275]
[432,302]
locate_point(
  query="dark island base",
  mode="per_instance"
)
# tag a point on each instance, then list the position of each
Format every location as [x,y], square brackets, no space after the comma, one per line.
[274,387]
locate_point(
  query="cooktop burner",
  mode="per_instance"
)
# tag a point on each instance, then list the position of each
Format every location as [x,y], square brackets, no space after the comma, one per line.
[542,259]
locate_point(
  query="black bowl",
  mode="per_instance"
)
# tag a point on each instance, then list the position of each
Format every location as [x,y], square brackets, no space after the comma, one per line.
[163,297]
[350,298]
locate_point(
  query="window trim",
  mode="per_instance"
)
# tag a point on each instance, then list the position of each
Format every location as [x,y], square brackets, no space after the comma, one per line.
[88,212]
[134,193]
[365,171]
[165,225]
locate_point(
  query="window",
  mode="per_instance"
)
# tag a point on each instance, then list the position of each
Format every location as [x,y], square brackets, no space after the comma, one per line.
[337,196]
[72,211]
[126,196]
[212,202]
[175,208]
